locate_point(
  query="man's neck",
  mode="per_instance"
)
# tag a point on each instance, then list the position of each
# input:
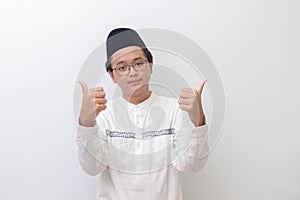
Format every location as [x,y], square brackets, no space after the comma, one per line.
[137,98]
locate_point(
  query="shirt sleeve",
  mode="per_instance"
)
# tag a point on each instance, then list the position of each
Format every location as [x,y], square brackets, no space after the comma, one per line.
[92,149]
[190,145]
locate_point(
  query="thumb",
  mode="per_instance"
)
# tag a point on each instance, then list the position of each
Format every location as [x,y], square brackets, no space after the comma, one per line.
[201,86]
[84,86]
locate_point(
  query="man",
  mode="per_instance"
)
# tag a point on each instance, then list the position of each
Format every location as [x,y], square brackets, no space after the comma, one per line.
[139,143]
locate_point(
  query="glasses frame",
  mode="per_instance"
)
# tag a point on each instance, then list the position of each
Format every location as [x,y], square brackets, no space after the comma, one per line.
[128,68]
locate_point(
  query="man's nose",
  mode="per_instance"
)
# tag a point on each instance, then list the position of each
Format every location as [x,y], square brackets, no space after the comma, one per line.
[132,71]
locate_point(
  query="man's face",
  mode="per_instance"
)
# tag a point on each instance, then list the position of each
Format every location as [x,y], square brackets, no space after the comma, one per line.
[134,81]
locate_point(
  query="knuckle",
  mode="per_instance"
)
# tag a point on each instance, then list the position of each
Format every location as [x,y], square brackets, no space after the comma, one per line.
[97,107]
[182,107]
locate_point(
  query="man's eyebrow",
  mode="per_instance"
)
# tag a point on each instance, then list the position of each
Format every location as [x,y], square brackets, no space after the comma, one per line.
[122,61]
[138,58]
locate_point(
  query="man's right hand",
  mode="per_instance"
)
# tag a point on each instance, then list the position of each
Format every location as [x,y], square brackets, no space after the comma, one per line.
[93,102]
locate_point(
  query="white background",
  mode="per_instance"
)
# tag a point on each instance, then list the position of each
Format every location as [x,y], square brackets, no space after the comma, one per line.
[254,44]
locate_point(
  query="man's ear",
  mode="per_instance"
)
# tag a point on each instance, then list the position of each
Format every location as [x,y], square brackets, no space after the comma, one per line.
[112,76]
[151,67]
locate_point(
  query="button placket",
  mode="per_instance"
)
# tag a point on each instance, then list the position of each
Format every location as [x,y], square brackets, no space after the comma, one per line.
[138,117]
[138,120]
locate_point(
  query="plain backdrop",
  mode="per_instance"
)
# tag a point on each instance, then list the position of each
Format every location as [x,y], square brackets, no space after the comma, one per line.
[254,44]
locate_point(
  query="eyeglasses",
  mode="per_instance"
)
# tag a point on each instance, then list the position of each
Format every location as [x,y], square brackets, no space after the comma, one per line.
[139,65]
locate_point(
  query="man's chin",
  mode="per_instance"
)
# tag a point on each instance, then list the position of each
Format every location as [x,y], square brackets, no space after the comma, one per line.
[136,89]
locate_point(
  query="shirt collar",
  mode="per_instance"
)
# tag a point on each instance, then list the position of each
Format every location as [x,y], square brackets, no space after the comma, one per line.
[144,104]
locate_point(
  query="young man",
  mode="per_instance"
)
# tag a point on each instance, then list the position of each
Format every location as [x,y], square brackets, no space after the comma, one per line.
[139,143]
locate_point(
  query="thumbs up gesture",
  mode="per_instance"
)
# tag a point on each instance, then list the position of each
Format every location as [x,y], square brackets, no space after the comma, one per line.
[93,102]
[190,101]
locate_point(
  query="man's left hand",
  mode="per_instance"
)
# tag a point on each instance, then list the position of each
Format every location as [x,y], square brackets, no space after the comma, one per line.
[190,101]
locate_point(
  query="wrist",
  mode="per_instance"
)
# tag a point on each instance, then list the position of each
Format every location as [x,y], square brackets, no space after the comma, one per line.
[87,123]
[202,121]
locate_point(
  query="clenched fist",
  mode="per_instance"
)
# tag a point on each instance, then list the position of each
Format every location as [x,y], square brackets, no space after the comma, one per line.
[93,102]
[190,101]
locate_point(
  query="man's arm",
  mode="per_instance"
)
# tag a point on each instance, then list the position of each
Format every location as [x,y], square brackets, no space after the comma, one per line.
[190,145]
[92,149]
[190,141]
[91,142]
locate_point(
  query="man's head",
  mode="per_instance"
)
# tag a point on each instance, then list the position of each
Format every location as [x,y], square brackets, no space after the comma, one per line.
[120,38]
[129,62]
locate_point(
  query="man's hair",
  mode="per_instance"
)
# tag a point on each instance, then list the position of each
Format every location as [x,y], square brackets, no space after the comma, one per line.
[120,38]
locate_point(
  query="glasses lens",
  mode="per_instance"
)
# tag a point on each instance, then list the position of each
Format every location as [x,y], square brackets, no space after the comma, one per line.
[138,66]
[122,69]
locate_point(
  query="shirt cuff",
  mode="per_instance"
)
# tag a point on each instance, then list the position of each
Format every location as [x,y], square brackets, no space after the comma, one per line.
[200,131]
[87,133]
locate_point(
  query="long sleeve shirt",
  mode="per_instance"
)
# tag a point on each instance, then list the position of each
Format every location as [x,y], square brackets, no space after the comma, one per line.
[139,151]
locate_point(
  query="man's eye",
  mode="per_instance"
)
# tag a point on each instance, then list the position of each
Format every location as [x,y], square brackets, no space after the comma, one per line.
[139,64]
[122,68]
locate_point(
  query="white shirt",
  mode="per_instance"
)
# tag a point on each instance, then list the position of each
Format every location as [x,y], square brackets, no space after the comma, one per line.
[138,151]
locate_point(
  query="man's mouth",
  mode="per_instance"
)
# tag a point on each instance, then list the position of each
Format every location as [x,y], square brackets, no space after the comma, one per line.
[134,82]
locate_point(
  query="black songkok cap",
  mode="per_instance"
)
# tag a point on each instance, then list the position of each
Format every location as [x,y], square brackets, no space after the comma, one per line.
[120,38]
